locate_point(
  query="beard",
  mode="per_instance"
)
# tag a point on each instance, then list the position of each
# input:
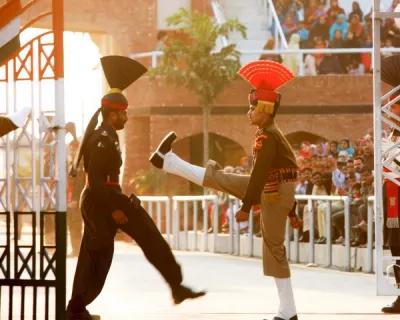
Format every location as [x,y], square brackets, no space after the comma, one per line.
[119,123]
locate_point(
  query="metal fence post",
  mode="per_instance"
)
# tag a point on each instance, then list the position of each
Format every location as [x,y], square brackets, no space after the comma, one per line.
[347,233]
[251,233]
[328,232]
[370,235]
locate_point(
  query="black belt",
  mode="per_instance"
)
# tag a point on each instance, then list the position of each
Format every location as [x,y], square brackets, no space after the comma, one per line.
[111,180]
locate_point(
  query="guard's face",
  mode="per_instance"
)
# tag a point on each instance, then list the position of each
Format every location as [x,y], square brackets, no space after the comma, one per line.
[256,118]
[119,119]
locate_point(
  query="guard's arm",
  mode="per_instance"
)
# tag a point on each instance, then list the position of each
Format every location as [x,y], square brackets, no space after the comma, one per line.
[264,158]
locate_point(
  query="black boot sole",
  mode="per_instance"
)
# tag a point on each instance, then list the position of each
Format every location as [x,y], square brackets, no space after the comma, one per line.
[164,147]
[193,296]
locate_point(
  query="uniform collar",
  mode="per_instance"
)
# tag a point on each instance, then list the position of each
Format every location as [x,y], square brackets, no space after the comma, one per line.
[109,130]
[267,125]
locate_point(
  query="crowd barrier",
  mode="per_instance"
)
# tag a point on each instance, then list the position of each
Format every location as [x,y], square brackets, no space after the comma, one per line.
[183,233]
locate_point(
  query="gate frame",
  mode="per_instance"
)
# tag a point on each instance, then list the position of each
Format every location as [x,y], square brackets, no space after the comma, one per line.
[383,287]
[38,279]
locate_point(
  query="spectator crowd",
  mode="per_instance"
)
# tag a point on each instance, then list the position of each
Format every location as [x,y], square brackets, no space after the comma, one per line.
[311,24]
[337,167]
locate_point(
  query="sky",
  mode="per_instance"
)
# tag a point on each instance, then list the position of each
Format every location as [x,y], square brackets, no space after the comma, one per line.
[82,84]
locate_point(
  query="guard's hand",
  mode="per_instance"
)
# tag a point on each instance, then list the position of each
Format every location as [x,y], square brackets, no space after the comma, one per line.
[296,222]
[119,217]
[242,216]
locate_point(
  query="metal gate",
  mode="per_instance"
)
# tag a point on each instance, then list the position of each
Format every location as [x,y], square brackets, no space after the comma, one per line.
[385,284]
[33,172]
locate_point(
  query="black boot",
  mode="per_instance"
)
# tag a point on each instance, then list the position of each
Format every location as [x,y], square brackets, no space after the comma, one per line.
[164,147]
[80,315]
[292,318]
[392,308]
[181,293]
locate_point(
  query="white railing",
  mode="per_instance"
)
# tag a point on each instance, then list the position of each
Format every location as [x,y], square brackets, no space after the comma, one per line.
[329,199]
[147,203]
[176,221]
[219,15]
[234,239]
[279,36]
[300,52]
[186,239]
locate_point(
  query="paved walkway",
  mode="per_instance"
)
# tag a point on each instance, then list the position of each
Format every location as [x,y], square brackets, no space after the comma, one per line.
[237,290]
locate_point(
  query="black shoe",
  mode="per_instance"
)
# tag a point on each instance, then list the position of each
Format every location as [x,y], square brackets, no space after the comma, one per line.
[182,293]
[292,318]
[163,148]
[393,308]
[85,315]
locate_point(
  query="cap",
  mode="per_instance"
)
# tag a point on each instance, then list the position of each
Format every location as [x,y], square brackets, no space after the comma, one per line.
[265,77]
[120,73]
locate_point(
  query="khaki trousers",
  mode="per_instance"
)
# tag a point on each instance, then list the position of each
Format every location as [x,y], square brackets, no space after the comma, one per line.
[273,216]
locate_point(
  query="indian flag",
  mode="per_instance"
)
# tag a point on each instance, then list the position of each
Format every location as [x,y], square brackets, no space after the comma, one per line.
[10,24]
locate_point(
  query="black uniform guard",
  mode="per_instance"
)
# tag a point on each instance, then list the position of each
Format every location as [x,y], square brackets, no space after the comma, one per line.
[105,208]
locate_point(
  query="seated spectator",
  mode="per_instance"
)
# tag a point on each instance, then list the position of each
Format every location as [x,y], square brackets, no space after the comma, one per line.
[388,44]
[367,190]
[333,149]
[334,11]
[391,31]
[304,187]
[354,69]
[354,192]
[340,24]
[356,12]
[319,44]
[339,174]
[351,168]
[330,65]
[345,146]
[319,30]
[309,12]
[336,207]
[320,11]
[350,58]
[357,28]
[303,33]
[289,28]
[292,60]
[320,149]
[311,208]
[271,56]
[292,11]
[299,8]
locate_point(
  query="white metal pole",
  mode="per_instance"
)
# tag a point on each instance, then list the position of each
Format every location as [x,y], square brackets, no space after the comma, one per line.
[377,133]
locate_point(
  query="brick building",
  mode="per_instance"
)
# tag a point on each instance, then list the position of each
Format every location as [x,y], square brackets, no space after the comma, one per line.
[328,107]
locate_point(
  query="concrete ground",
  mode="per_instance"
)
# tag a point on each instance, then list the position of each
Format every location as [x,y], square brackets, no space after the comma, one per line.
[237,290]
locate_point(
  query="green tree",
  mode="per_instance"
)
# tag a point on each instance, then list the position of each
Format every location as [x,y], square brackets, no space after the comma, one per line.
[193,62]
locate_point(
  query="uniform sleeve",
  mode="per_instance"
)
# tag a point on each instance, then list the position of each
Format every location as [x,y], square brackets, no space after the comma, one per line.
[97,172]
[265,156]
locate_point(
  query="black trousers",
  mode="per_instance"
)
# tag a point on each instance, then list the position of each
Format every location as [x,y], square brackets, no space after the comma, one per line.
[97,249]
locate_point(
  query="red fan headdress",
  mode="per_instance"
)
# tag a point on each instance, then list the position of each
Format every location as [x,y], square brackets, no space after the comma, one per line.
[265,77]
